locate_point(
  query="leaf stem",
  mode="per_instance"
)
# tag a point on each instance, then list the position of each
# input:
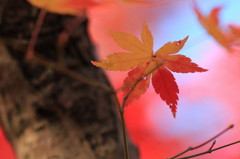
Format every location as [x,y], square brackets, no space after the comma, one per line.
[126,153]
[121,108]
[35,33]
[136,83]
[123,126]
[204,143]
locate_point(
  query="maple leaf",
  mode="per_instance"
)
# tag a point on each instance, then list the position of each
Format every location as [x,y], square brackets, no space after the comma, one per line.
[228,38]
[144,63]
[74,7]
[234,35]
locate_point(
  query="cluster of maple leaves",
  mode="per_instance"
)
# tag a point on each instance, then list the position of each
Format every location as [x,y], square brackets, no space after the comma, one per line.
[140,59]
[144,63]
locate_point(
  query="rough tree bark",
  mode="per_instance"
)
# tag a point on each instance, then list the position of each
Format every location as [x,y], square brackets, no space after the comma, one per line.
[44,114]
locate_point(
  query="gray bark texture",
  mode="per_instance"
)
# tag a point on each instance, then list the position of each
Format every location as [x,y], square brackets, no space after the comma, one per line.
[45,114]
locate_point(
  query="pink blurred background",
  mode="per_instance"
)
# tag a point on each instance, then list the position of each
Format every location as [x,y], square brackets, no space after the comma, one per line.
[209,102]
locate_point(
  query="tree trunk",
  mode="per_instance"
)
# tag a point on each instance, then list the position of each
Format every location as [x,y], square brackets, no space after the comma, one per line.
[45,114]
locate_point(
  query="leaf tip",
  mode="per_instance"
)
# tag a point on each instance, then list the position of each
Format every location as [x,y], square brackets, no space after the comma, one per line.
[145,23]
[185,39]
[182,42]
[95,63]
[202,69]
[205,70]
[174,110]
[174,115]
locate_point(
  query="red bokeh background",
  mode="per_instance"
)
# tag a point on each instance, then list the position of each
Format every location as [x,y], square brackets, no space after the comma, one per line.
[209,102]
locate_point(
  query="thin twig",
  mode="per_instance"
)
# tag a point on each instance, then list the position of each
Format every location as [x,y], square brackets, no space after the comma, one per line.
[210,150]
[214,142]
[123,126]
[124,136]
[35,33]
[214,137]
[72,74]
[204,143]
[64,36]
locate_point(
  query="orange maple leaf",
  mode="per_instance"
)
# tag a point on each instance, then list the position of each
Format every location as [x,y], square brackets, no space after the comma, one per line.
[144,63]
[234,35]
[228,37]
[74,7]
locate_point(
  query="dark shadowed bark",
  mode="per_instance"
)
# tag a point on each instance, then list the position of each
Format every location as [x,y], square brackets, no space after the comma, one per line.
[45,114]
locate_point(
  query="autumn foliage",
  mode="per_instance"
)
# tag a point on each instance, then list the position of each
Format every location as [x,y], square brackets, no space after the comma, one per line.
[144,63]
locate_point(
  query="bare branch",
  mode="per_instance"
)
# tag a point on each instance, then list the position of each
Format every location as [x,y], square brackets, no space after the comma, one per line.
[214,137]
[210,150]
[204,143]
